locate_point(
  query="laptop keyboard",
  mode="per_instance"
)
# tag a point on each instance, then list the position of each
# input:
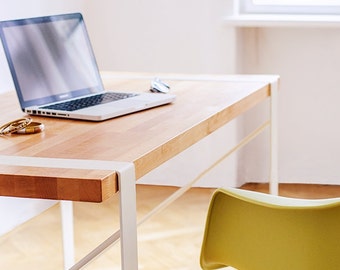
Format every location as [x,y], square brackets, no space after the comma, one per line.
[78,104]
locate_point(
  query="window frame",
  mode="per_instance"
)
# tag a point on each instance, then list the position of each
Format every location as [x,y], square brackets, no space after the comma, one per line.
[249,7]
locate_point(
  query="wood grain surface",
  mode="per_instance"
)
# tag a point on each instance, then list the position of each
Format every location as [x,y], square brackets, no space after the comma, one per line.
[148,138]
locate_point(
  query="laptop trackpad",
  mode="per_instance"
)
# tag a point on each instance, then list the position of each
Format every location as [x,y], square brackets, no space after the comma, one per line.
[126,105]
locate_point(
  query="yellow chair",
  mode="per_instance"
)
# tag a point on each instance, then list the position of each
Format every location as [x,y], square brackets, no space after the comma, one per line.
[255,231]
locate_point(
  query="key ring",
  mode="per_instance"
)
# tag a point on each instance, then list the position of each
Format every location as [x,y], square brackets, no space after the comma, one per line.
[22,125]
[33,127]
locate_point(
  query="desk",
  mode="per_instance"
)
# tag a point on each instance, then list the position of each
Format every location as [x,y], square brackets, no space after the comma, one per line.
[85,161]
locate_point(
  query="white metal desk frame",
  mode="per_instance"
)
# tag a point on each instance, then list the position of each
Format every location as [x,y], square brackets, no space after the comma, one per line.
[127,190]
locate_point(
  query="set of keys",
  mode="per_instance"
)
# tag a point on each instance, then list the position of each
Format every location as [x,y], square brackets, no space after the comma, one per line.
[22,126]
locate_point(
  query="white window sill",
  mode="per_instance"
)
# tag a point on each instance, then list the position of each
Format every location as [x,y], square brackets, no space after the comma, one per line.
[277,20]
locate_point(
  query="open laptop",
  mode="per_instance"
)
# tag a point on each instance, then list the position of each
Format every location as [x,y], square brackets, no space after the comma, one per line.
[52,64]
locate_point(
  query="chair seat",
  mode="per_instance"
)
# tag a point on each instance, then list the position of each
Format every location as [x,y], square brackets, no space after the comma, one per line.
[255,231]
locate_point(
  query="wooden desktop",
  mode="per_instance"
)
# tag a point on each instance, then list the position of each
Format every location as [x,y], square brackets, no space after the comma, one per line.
[75,160]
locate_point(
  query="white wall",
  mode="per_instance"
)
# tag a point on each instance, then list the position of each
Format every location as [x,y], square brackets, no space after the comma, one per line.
[161,35]
[308,60]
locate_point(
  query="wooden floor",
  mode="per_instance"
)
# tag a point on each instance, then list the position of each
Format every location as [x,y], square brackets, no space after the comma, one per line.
[170,240]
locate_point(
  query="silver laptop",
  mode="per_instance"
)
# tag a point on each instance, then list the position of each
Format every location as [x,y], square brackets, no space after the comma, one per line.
[55,73]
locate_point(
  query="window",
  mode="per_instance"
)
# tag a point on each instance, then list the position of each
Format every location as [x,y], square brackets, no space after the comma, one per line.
[310,7]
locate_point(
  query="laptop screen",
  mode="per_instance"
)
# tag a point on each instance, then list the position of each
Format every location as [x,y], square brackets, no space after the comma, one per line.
[50,58]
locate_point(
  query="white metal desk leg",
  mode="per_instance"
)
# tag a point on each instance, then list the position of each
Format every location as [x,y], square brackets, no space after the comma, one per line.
[274,183]
[66,208]
[128,219]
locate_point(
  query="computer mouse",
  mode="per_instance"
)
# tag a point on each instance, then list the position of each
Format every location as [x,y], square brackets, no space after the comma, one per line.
[158,86]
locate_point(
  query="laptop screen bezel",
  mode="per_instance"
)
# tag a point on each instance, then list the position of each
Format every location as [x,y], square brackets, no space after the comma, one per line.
[73,93]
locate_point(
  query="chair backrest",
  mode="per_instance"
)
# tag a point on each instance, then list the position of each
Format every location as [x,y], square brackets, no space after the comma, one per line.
[255,231]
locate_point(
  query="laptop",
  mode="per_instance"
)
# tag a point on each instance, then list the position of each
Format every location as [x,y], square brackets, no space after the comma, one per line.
[55,73]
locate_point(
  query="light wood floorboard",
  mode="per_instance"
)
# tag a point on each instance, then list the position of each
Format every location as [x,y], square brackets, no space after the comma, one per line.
[170,240]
